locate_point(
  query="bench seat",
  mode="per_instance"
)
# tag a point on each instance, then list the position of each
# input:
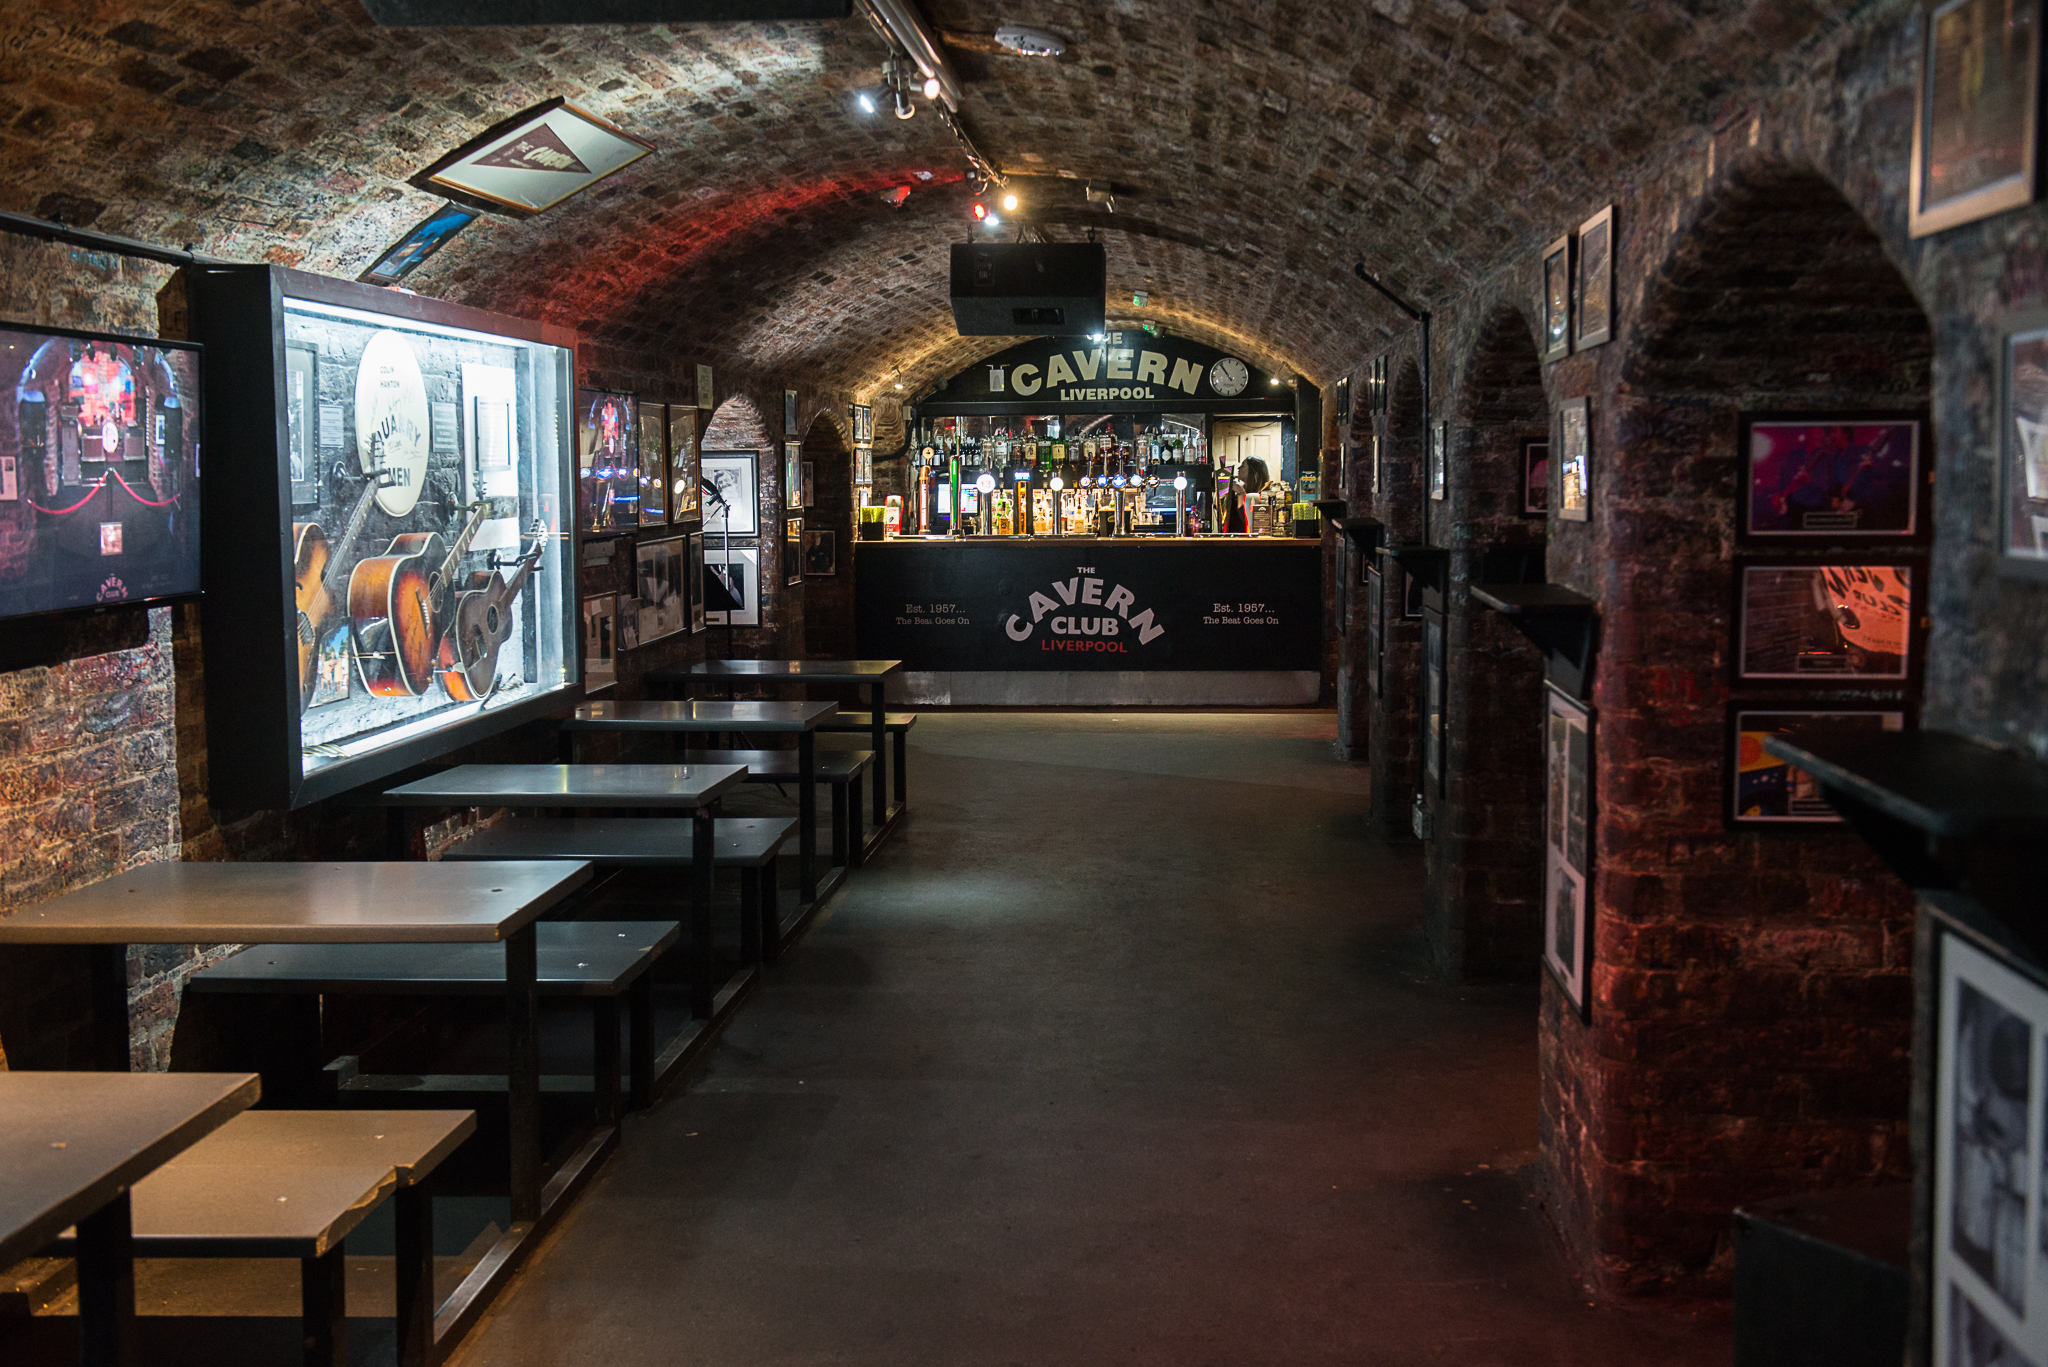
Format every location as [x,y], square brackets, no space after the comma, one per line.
[897,724]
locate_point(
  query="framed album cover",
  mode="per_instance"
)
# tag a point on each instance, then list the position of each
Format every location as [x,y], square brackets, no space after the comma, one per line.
[600,642]
[1557,299]
[1567,843]
[793,474]
[1831,477]
[2022,450]
[732,586]
[1536,477]
[534,160]
[1837,623]
[659,570]
[1575,460]
[653,480]
[731,483]
[684,497]
[792,551]
[428,236]
[1764,790]
[1976,116]
[1593,282]
[821,554]
[1439,461]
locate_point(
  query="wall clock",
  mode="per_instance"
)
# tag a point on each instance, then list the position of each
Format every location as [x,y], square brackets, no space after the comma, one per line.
[1229,376]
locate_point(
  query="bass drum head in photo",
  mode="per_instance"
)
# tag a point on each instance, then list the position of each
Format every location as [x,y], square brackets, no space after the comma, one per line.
[391,421]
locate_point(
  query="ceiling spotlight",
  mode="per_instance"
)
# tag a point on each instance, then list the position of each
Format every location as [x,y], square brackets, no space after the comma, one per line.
[1009,204]
[866,102]
[1029,42]
[931,87]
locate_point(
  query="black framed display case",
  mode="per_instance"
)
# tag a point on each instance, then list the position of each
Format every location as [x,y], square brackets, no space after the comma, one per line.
[422,594]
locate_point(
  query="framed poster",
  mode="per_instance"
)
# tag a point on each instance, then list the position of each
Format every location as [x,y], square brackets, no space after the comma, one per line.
[684,497]
[793,474]
[1989,1222]
[534,160]
[694,573]
[1375,615]
[659,583]
[1574,461]
[2023,446]
[821,554]
[732,484]
[704,391]
[1567,843]
[732,586]
[1976,119]
[1557,299]
[1536,477]
[1439,461]
[600,642]
[1433,685]
[1831,623]
[789,413]
[1764,790]
[792,552]
[1593,282]
[653,479]
[428,236]
[607,462]
[1831,477]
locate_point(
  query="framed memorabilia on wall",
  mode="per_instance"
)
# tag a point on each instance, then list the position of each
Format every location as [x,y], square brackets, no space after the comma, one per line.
[694,580]
[301,384]
[1439,460]
[1536,477]
[534,160]
[600,642]
[821,554]
[607,462]
[789,413]
[428,236]
[1836,623]
[1764,790]
[704,390]
[629,623]
[1976,117]
[1433,685]
[659,583]
[653,479]
[1557,299]
[732,499]
[1567,844]
[1593,282]
[793,474]
[732,586]
[1831,477]
[2023,446]
[1575,460]
[793,551]
[863,465]
[684,497]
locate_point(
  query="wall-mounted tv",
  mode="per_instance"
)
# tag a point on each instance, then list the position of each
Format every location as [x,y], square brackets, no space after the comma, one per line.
[99,470]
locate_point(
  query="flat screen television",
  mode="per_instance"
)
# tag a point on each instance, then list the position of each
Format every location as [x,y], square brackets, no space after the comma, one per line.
[99,470]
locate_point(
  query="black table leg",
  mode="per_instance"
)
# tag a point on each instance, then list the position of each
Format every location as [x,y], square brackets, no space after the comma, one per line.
[323,1308]
[807,812]
[771,909]
[901,754]
[413,1210]
[522,1025]
[702,950]
[604,1058]
[106,1286]
[841,856]
[640,1040]
[750,917]
[880,736]
[108,984]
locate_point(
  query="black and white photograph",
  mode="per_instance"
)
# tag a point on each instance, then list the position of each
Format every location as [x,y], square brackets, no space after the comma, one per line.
[658,581]
[1976,126]
[731,498]
[1593,282]
[600,642]
[1567,840]
[1828,623]
[732,586]
[821,554]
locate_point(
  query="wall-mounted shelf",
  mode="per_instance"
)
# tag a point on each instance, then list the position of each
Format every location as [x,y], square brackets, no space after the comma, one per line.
[1364,533]
[1561,623]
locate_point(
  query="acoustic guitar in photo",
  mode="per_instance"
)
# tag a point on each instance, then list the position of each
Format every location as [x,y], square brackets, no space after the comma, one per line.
[316,566]
[483,620]
[400,604]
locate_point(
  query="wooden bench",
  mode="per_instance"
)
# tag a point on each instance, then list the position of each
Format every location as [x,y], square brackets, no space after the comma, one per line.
[841,769]
[897,724]
[292,1184]
[600,961]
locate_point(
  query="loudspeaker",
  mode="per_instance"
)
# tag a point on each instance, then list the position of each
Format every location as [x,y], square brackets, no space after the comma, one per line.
[1028,289]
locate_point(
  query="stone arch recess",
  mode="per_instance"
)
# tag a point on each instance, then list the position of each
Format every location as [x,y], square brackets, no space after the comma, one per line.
[739,423]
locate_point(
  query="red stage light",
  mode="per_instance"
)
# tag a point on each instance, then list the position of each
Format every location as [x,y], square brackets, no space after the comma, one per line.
[980,211]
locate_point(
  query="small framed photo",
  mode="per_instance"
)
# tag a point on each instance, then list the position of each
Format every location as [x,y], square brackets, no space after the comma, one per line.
[1845,623]
[1593,282]
[789,413]
[410,252]
[2023,446]
[821,554]
[659,579]
[1536,477]
[600,642]
[1764,790]
[792,551]
[1439,461]
[1976,117]
[1557,299]
[793,474]
[1435,679]
[607,461]
[1831,477]
[731,482]
[653,464]
[534,160]
[684,499]
[1567,843]
[704,389]
[1575,460]
[732,586]
[694,579]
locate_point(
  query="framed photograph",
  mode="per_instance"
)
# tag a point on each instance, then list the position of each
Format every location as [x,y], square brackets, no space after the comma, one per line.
[1557,299]
[600,642]
[1976,116]
[732,586]
[607,462]
[863,422]
[1439,461]
[1989,1278]
[1567,843]
[1536,477]
[660,584]
[1764,790]
[821,554]
[1593,282]
[1433,685]
[1575,460]
[731,492]
[301,392]
[704,390]
[1831,477]
[2023,446]
[810,484]
[792,551]
[684,498]
[1843,623]
[694,580]
[534,160]
[789,413]
[653,478]
[629,623]
[793,474]
[1375,616]
[428,236]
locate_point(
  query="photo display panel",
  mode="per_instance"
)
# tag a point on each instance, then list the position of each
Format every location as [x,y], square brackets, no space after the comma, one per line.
[99,471]
[428,526]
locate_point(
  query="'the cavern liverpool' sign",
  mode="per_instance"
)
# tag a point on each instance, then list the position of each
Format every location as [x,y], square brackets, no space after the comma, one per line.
[1124,372]
[1093,605]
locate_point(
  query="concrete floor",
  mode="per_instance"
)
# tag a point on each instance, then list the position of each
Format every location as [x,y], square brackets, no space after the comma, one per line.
[1121,1052]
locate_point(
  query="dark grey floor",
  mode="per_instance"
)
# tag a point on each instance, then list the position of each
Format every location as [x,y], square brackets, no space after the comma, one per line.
[1120,1053]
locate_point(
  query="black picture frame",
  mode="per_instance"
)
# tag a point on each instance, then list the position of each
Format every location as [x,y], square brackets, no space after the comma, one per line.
[653,476]
[1439,461]
[1535,476]
[736,475]
[607,472]
[1816,479]
[420,242]
[1593,282]
[600,642]
[821,554]
[1568,831]
[2022,446]
[1554,283]
[1976,114]
[1823,622]
[302,420]
[1760,791]
[661,588]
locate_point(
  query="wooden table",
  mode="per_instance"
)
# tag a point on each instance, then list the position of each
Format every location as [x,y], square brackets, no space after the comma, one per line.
[692,788]
[366,903]
[868,673]
[71,1147]
[801,719]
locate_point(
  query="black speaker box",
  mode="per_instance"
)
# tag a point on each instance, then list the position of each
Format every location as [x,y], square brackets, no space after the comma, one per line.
[1028,289]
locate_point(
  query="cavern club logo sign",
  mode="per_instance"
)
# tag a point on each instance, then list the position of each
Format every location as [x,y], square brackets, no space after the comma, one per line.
[1090,622]
[1117,371]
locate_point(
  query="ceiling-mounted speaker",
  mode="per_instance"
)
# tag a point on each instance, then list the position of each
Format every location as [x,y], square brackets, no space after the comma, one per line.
[517,13]
[1028,289]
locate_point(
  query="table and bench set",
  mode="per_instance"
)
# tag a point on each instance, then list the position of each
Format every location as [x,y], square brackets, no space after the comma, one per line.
[109,1165]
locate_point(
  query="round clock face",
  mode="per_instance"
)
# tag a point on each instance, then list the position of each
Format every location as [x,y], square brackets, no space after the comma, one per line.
[1229,376]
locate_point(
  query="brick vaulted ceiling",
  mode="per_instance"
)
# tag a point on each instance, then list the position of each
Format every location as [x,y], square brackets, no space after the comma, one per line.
[1257,148]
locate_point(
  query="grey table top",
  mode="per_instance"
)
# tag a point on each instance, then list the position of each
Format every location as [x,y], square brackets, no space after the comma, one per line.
[69,1142]
[822,671]
[570,785]
[701,716]
[314,903]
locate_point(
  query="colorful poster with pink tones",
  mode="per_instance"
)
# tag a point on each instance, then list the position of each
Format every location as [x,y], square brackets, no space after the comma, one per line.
[1819,479]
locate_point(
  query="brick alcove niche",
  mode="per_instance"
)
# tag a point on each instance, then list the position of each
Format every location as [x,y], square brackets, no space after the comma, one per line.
[738,425]
[1751,994]
[1482,908]
[1391,737]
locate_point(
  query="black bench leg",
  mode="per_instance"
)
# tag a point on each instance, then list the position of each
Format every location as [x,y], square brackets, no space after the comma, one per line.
[413,1209]
[856,836]
[840,857]
[323,1308]
[106,1285]
[771,910]
[901,778]
[750,916]
[702,948]
[640,1039]
[522,1025]
[880,739]
[604,1058]
[807,815]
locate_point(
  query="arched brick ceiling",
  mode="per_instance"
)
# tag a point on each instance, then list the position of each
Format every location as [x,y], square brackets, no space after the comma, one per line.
[1257,150]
